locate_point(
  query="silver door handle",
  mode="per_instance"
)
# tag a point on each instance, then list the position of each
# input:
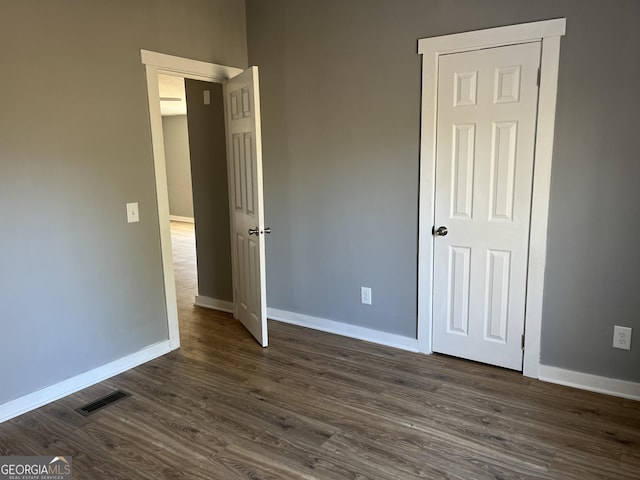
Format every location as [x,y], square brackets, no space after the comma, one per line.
[440,231]
[256,232]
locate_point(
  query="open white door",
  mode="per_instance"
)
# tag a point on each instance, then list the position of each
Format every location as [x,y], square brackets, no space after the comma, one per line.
[244,166]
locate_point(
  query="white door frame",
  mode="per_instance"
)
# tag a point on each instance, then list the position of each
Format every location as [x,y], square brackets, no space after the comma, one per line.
[156,63]
[548,33]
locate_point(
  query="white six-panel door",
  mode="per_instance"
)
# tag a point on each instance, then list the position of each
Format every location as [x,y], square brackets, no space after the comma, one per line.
[244,164]
[486,120]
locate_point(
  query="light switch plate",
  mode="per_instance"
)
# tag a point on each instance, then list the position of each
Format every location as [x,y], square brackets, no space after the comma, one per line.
[132,212]
[207,97]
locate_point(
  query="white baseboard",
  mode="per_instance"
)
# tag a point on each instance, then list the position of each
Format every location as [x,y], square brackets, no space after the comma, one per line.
[213,303]
[50,394]
[593,383]
[340,328]
[178,218]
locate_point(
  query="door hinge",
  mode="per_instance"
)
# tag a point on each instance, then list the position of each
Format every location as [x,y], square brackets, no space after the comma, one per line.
[522,343]
[539,75]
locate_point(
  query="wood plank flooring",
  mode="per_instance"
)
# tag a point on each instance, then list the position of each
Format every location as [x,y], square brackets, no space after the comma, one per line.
[319,406]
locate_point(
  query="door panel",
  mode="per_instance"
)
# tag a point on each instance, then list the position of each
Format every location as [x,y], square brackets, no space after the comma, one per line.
[487,106]
[242,109]
[462,175]
[459,269]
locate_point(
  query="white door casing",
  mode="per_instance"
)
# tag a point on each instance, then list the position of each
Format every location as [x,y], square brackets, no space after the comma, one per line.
[487,103]
[548,32]
[244,168]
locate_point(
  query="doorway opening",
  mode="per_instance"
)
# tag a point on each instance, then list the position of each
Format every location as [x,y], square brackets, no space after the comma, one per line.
[175,131]
[196,161]
[156,64]
[241,103]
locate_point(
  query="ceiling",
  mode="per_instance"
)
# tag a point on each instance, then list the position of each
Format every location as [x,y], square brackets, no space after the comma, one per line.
[172,95]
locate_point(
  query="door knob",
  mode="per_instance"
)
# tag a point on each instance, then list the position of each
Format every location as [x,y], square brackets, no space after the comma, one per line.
[256,232]
[440,231]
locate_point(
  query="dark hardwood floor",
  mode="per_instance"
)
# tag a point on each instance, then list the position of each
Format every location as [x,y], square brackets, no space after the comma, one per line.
[319,406]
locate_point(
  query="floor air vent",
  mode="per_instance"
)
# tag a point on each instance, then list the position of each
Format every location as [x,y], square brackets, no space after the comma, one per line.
[96,405]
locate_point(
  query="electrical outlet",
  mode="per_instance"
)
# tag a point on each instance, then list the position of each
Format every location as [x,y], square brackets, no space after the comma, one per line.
[365,295]
[622,337]
[132,212]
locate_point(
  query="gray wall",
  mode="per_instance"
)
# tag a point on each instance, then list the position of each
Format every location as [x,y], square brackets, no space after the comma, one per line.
[210,189]
[79,287]
[176,152]
[340,90]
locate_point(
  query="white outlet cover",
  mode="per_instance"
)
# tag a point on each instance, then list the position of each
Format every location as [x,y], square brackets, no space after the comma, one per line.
[622,337]
[365,295]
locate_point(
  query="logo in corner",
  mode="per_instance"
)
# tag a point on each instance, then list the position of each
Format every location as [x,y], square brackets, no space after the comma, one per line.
[35,467]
